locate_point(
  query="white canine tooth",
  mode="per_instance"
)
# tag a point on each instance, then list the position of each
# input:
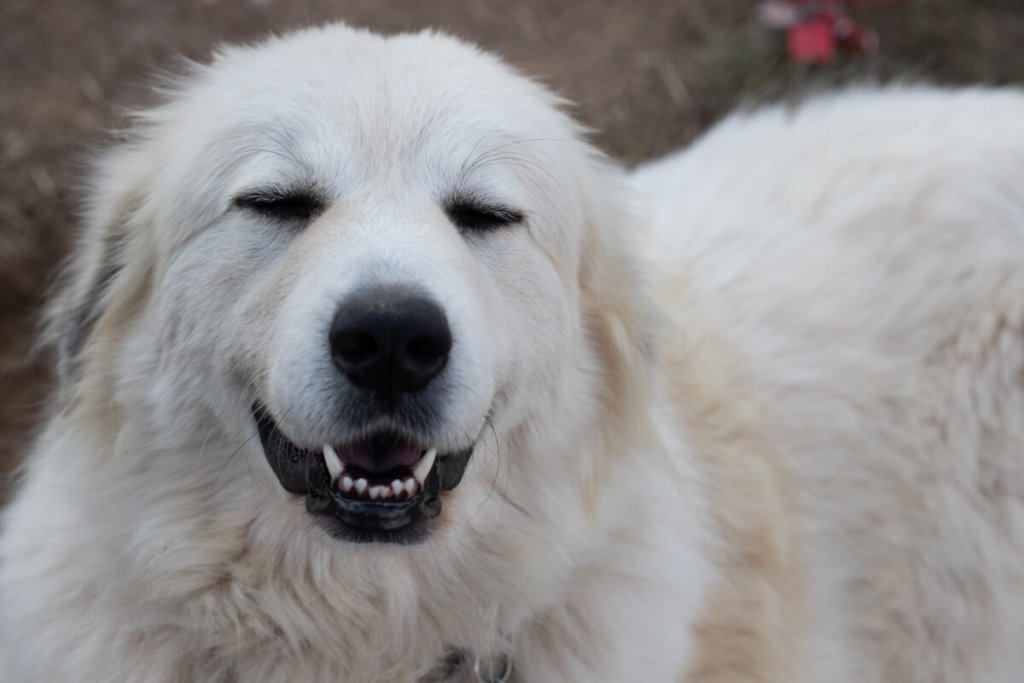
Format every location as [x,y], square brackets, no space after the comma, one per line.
[410,486]
[361,486]
[397,487]
[346,483]
[375,492]
[422,468]
[333,462]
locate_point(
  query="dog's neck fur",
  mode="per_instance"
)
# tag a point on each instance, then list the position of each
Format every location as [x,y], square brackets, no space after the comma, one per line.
[242,590]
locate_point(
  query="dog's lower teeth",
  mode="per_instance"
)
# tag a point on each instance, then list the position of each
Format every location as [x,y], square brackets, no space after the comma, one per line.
[399,489]
[346,484]
[405,487]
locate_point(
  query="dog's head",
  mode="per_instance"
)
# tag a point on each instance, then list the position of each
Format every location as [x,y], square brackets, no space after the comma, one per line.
[385,270]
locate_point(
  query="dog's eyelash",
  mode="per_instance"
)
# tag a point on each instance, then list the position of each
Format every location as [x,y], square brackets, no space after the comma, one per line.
[476,217]
[281,206]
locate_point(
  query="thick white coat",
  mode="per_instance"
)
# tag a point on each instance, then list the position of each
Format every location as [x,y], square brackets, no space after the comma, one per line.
[860,258]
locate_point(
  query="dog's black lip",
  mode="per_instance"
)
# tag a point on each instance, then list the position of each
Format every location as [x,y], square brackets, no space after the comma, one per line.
[303,472]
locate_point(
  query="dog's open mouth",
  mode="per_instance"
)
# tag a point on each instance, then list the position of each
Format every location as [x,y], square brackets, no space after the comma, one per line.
[384,487]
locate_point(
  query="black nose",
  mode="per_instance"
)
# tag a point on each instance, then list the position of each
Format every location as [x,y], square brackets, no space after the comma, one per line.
[390,340]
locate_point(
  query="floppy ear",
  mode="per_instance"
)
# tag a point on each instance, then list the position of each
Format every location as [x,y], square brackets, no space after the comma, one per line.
[618,309]
[98,261]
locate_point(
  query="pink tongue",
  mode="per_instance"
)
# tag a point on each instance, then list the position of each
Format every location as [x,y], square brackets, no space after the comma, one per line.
[380,454]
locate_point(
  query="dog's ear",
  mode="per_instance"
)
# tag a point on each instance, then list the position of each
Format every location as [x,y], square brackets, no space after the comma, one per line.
[618,309]
[87,285]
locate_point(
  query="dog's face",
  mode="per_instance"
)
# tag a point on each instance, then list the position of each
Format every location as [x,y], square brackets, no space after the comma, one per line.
[371,253]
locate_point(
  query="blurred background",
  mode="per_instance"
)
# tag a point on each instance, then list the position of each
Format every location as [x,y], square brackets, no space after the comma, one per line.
[647,76]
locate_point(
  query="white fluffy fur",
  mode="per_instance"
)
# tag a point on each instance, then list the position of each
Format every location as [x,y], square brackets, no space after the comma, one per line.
[808,469]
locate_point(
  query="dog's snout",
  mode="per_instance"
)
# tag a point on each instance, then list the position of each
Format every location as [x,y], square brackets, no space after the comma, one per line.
[390,340]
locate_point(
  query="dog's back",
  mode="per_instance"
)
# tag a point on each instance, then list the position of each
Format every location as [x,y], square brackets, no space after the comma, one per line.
[862,256]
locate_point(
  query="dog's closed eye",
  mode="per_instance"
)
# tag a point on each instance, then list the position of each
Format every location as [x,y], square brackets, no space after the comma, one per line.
[474,216]
[281,205]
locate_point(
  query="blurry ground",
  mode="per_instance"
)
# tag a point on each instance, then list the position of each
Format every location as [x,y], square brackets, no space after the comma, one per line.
[648,76]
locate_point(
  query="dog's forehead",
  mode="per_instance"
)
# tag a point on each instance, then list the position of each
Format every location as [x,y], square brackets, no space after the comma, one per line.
[365,93]
[354,116]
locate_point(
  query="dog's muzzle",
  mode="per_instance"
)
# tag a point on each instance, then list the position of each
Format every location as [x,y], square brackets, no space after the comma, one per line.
[388,343]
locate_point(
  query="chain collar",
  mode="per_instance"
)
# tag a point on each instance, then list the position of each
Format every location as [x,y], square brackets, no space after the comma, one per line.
[458,663]
[493,669]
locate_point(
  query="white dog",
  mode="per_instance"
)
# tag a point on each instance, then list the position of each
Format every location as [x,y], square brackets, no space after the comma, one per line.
[361,383]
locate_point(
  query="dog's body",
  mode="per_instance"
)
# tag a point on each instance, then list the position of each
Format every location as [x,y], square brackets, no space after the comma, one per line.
[809,469]
[861,259]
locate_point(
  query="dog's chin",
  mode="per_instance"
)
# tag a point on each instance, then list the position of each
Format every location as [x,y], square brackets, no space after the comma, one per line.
[354,501]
